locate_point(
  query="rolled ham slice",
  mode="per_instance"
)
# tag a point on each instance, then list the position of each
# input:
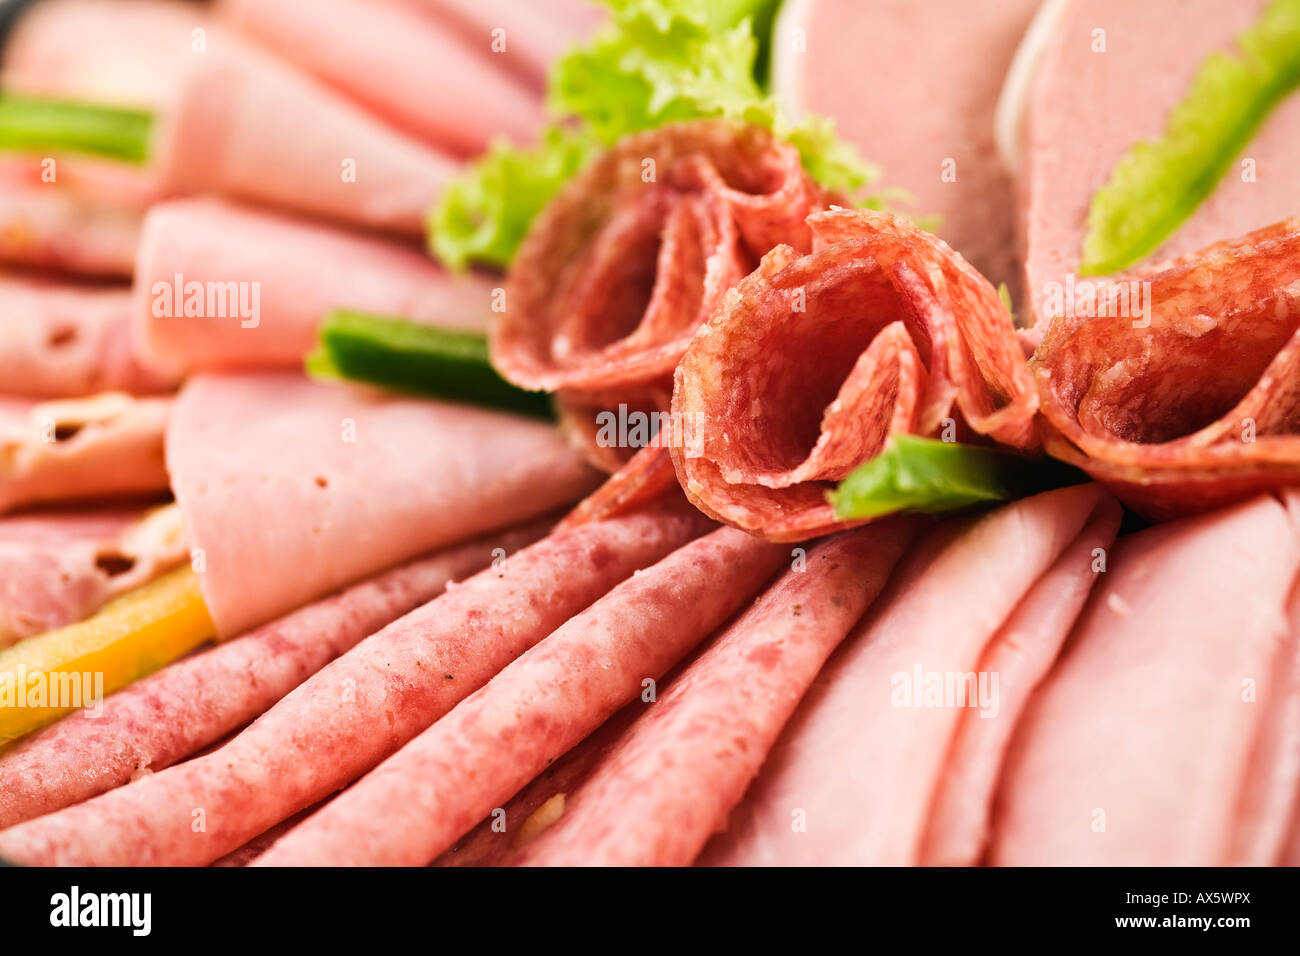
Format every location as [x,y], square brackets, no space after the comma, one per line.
[104,446]
[60,567]
[1187,645]
[811,363]
[60,340]
[292,489]
[855,776]
[225,286]
[478,756]
[924,108]
[358,709]
[183,708]
[400,64]
[229,118]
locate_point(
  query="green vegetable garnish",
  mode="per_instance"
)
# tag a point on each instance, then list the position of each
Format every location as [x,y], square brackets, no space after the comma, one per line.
[408,356]
[1159,183]
[34,125]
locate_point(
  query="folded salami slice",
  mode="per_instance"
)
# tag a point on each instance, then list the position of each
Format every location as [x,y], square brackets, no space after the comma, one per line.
[292,489]
[358,709]
[1152,741]
[415,804]
[181,709]
[58,341]
[104,446]
[854,776]
[399,63]
[812,362]
[1193,405]
[224,286]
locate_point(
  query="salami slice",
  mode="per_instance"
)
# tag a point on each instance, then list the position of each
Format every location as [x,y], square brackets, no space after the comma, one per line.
[357,710]
[811,362]
[416,803]
[1194,404]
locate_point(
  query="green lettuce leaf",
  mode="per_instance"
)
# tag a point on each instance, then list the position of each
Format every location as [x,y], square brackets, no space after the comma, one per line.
[1159,183]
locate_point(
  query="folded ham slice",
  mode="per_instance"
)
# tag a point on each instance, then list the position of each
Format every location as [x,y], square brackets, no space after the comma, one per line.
[399,63]
[958,639]
[105,446]
[229,118]
[1155,741]
[812,362]
[57,568]
[1194,405]
[225,286]
[59,341]
[292,489]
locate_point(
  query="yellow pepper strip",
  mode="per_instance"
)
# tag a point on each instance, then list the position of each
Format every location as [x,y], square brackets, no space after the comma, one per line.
[47,676]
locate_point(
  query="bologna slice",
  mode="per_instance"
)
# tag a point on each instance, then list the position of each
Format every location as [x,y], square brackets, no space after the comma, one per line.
[854,776]
[224,286]
[357,710]
[812,362]
[1195,405]
[183,708]
[414,805]
[1144,746]
[291,489]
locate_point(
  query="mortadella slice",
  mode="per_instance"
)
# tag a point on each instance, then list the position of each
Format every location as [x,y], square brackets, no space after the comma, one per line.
[225,286]
[854,776]
[292,489]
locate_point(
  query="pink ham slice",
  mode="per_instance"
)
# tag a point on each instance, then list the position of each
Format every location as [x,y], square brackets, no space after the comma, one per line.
[57,568]
[291,489]
[185,707]
[1155,740]
[230,118]
[853,778]
[65,340]
[298,270]
[358,709]
[105,446]
[554,695]
[926,98]
[399,63]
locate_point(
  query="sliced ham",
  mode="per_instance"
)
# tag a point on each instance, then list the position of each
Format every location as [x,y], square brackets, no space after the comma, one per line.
[854,776]
[292,489]
[104,446]
[400,64]
[358,709]
[60,567]
[812,362]
[1154,741]
[60,340]
[181,709]
[922,107]
[415,804]
[225,286]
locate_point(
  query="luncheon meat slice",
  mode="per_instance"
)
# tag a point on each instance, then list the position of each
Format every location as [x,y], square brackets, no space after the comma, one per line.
[292,489]
[854,776]
[223,286]
[357,710]
[399,63]
[60,341]
[812,362]
[105,446]
[183,708]
[922,108]
[1196,404]
[414,805]
[1188,646]
[60,567]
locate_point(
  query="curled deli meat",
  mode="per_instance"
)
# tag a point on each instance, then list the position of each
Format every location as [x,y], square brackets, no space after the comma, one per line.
[1189,401]
[810,364]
